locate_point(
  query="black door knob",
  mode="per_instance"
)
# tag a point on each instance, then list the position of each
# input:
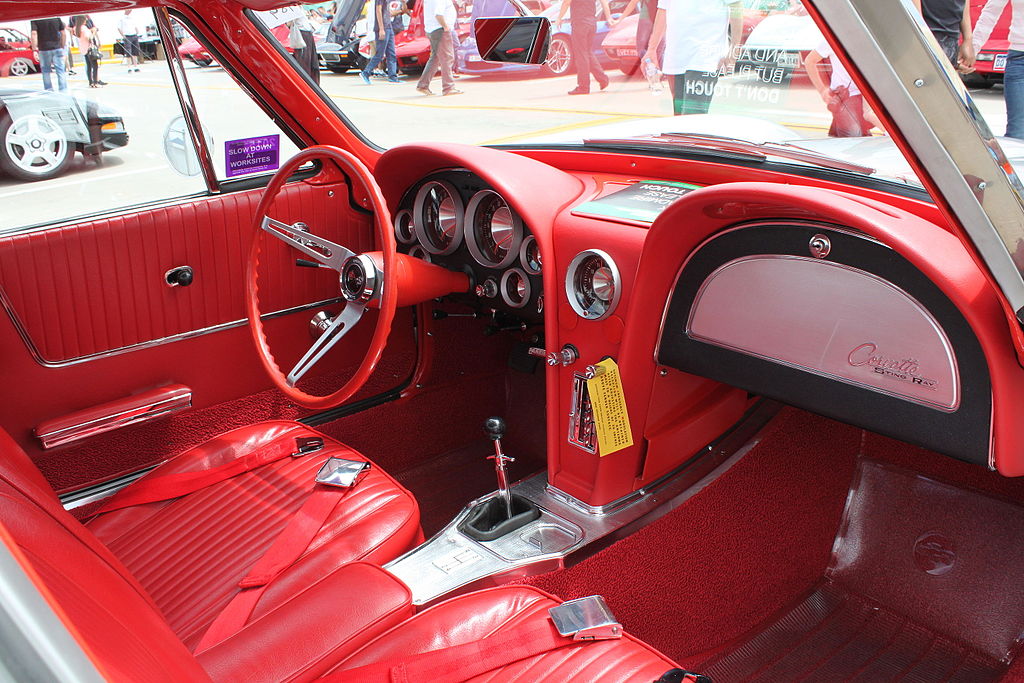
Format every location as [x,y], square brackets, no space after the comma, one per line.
[182,276]
[495,428]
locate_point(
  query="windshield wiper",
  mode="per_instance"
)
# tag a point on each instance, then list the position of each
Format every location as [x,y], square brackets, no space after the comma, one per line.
[735,148]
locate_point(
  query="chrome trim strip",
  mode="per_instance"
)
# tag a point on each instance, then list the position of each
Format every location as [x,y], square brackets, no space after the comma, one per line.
[80,498]
[106,423]
[38,357]
[188,106]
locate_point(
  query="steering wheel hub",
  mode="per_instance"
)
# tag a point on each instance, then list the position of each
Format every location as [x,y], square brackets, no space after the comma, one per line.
[359,279]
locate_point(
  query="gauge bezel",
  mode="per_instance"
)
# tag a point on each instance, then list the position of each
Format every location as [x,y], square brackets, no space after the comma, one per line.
[419,224]
[570,284]
[419,252]
[475,202]
[525,262]
[405,214]
[504,292]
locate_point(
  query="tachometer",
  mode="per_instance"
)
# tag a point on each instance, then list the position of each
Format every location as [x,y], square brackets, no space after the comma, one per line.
[592,284]
[493,232]
[515,288]
[437,217]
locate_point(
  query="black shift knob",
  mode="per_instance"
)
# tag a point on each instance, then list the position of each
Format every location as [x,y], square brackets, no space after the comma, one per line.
[495,428]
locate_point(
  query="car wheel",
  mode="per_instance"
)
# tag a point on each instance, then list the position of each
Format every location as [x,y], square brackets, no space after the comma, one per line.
[977,80]
[337,69]
[21,67]
[559,60]
[33,147]
[204,62]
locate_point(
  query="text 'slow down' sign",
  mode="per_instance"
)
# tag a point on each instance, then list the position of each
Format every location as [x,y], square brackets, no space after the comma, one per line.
[252,155]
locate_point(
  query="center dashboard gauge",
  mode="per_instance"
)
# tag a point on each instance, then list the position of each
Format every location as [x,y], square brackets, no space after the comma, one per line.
[592,284]
[493,231]
[515,288]
[437,217]
[529,255]
[404,230]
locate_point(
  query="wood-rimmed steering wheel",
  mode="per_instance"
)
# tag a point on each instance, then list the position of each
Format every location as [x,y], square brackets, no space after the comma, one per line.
[362,282]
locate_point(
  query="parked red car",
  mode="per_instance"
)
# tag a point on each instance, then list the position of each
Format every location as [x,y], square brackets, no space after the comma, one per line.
[194,51]
[991,62]
[16,58]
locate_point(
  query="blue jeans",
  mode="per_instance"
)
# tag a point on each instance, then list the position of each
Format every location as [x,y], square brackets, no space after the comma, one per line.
[384,48]
[53,60]
[1013,93]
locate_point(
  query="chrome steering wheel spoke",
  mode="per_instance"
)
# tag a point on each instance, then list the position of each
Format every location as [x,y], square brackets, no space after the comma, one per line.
[324,251]
[338,328]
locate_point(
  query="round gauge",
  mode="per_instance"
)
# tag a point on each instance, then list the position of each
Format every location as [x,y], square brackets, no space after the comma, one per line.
[593,285]
[515,288]
[437,217]
[529,255]
[493,232]
[404,231]
[420,253]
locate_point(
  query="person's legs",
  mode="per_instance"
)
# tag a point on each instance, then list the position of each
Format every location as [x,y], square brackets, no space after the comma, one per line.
[378,55]
[1013,93]
[582,44]
[430,70]
[46,66]
[644,28]
[390,58]
[447,48]
[92,69]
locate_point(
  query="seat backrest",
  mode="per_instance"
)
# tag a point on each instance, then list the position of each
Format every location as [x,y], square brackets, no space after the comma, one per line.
[115,620]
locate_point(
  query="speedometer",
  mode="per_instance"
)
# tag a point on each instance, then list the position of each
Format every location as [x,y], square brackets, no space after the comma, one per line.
[592,284]
[437,217]
[493,232]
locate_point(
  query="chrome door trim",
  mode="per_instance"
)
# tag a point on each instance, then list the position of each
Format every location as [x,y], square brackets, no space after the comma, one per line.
[191,334]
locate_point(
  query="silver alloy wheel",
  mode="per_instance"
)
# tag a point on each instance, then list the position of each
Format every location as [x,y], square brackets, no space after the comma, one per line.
[36,145]
[559,61]
[21,67]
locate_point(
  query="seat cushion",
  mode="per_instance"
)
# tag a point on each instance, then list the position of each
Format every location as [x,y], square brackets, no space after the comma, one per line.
[190,553]
[474,616]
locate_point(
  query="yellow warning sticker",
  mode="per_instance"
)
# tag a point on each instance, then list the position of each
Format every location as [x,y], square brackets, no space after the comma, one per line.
[609,406]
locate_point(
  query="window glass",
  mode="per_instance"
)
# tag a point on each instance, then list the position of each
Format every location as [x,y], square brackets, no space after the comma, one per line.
[94,106]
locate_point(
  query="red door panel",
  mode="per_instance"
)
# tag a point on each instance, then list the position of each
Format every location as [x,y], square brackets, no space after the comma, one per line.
[90,319]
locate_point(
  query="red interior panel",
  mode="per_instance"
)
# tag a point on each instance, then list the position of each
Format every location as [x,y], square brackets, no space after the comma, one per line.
[87,288]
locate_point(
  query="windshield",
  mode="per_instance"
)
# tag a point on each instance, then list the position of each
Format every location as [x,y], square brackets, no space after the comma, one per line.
[755,70]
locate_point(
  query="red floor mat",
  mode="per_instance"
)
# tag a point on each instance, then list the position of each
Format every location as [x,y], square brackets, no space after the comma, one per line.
[926,583]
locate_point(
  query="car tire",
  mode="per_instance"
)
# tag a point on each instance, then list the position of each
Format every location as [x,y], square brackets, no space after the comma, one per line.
[21,67]
[16,156]
[203,62]
[337,69]
[559,61]
[977,80]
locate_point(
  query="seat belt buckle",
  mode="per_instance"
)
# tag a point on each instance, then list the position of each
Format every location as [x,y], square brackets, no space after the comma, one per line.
[304,445]
[586,618]
[342,473]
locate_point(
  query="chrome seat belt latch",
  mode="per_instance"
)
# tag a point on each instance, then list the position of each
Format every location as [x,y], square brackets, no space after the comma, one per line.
[342,473]
[587,618]
[304,445]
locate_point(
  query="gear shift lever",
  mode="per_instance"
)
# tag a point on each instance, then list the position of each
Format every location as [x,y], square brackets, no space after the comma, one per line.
[495,428]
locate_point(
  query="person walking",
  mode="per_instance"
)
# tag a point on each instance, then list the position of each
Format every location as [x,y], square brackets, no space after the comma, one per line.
[69,40]
[583,25]
[1013,77]
[949,21]
[48,39]
[438,21]
[700,45]
[840,94]
[384,43]
[129,40]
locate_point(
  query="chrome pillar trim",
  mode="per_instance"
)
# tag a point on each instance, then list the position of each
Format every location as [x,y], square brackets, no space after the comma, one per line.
[188,105]
[92,494]
[144,412]
[38,356]
[895,52]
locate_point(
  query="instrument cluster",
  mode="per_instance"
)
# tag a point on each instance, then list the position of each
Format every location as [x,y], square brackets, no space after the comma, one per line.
[453,219]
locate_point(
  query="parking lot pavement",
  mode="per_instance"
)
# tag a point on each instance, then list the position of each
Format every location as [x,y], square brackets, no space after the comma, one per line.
[492,110]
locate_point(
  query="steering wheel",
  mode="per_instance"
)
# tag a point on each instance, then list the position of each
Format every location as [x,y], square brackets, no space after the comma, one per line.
[363,282]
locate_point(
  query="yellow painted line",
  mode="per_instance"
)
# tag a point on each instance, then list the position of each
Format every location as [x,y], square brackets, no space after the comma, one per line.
[558,129]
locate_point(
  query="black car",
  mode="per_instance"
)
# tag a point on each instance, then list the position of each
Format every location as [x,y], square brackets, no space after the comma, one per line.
[41,130]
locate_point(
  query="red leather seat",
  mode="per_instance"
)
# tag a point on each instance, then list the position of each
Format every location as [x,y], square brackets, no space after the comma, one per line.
[190,553]
[475,616]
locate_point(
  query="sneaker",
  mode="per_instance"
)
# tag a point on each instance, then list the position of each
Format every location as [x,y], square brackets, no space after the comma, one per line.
[364,77]
[101,83]
[579,91]
[453,91]
[394,80]
[424,91]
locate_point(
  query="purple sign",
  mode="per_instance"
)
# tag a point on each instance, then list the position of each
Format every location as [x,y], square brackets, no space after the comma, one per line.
[252,155]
